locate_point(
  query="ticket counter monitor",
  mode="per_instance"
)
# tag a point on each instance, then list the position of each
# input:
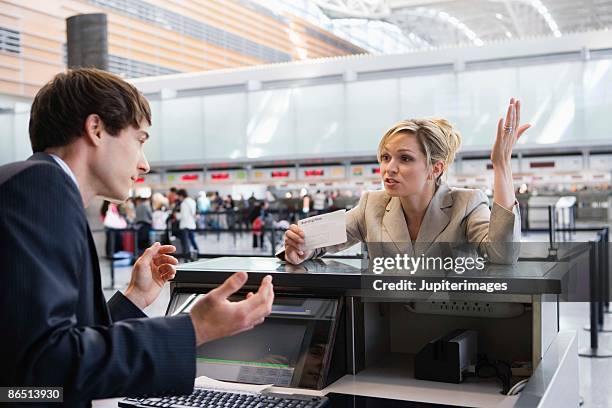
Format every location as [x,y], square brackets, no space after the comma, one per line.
[328,334]
[292,348]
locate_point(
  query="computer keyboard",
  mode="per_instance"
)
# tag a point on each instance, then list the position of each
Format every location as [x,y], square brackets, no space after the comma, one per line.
[209,398]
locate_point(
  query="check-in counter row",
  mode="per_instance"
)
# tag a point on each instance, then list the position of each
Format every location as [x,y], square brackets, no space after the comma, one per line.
[331,332]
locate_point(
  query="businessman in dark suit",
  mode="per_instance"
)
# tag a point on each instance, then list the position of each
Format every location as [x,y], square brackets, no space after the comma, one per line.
[87,130]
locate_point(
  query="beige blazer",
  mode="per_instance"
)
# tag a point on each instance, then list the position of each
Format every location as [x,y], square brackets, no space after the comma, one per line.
[455,215]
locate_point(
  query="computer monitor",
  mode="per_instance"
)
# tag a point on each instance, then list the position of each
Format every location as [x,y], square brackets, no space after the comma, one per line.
[292,347]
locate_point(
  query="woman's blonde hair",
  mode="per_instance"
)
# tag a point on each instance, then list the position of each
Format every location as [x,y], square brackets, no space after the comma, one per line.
[437,137]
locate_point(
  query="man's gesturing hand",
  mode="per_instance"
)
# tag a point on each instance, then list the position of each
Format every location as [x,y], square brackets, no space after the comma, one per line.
[151,271]
[214,316]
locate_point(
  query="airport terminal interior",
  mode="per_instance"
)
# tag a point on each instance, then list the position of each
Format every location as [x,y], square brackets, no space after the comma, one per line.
[268,112]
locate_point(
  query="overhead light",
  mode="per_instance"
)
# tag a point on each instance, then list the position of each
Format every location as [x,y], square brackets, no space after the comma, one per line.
[461,26]
[499,16]
[508,34]
[543,11]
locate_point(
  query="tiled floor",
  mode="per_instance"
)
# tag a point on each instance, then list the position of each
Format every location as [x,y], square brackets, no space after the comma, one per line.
[595,374]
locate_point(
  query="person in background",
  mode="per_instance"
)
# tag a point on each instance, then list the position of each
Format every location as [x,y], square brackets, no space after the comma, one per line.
[218,201]
[214,218]
[252,200]
[160,217]
[306,205]
[319,202]
[103,210]
[203,203]
[270,197]
[113,222]
[241,208]
[107,232]
[172,197]
[222,209]
[142,223]
[268,227]
[229,208]
[128,209]
[257,224]
[187,223]
[329,200]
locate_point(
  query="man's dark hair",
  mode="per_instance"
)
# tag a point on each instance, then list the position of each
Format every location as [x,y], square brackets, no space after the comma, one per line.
[61,106]
[182,193]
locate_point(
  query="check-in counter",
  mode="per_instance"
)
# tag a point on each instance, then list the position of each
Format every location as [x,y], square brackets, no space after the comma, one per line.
[538,213]
[331,332]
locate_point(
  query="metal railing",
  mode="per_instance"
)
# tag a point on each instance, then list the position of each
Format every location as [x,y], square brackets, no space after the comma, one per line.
[599,276]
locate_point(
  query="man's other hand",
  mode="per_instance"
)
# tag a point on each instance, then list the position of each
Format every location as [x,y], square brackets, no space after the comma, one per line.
[215,316]
[151,271]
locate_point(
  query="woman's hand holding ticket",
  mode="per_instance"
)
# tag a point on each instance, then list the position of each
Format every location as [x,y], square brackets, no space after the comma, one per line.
[295,253]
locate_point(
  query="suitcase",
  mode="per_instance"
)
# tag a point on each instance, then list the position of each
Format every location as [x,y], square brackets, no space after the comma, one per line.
[127,241]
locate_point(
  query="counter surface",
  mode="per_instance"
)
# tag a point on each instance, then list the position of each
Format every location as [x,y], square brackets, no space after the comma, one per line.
[347,274]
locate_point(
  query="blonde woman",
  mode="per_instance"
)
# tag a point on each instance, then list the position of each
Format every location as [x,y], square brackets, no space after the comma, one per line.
[417,208]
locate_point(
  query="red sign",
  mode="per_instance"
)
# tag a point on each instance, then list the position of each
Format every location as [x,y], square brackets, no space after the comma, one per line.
[140,180]
[220,176]
[277,174]
[376,170]
[189,177]
[314,173]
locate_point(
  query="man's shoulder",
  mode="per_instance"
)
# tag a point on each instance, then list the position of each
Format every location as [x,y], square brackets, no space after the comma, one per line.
[39,188]
[23,168]
[37,176]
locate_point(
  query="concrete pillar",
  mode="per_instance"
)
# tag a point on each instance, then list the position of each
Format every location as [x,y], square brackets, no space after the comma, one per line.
[87,41]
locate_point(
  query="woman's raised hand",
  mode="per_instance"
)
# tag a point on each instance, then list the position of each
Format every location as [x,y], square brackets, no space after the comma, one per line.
[508,132]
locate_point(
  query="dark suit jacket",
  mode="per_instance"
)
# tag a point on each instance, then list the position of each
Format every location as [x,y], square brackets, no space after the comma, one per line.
[55,327]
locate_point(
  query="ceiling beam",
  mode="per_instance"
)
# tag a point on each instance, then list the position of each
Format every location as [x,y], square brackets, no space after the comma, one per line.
[515,20]
[395,4]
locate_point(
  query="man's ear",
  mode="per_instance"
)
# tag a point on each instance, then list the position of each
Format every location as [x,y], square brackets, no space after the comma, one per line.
[94,127]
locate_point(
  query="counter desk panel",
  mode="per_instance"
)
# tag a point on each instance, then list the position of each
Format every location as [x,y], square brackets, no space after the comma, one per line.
[377,333]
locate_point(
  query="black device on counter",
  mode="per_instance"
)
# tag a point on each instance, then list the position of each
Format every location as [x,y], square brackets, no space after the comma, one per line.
[446,358]
[361,401]
[300,344]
